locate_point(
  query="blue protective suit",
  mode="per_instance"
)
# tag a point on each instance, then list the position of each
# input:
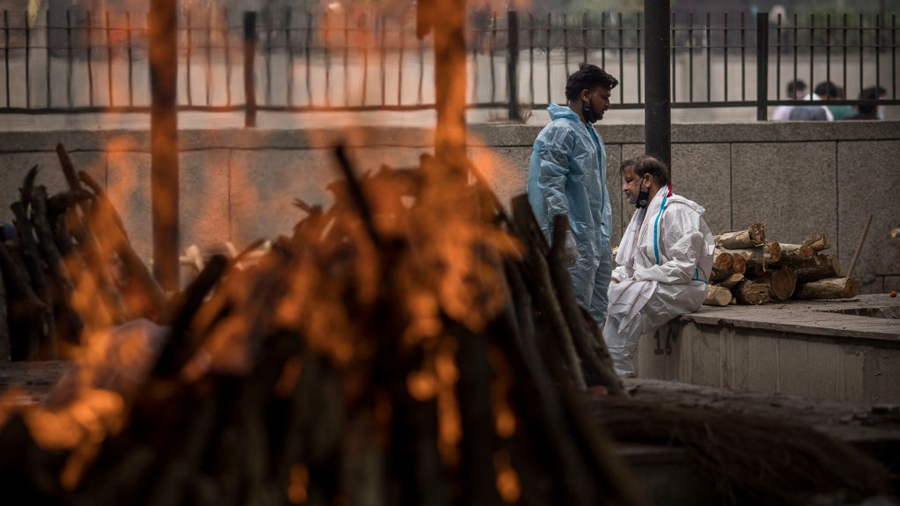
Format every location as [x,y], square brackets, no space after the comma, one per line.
[567,175]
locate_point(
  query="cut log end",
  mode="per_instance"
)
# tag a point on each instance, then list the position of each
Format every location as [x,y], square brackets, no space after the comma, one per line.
[829,288]
[749,292]
[780,282]
[717,296]
[818,242]
[754,235]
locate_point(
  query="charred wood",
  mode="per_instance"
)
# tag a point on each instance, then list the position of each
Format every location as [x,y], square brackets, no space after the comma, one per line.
[542,285]
[586,342]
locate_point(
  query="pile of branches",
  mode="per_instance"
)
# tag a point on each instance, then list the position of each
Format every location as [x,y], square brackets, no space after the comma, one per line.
[748,269]
[405,346]
[70,268]
[414,343]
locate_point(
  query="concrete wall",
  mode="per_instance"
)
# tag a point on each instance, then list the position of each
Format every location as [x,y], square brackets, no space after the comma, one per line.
[843,369]
[239,184]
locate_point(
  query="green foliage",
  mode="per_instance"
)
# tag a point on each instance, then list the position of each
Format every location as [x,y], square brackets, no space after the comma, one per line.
[598,6]
[837,7]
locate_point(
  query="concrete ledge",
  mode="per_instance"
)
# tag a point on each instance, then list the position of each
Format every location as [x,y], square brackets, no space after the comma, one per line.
[499,135]
[810,318]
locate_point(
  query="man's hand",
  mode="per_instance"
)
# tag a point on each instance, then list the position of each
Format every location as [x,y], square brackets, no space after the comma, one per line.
[571,249]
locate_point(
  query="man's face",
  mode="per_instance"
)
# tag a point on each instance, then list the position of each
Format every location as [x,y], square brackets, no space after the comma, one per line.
[597,100]
[631,184]
[799,93]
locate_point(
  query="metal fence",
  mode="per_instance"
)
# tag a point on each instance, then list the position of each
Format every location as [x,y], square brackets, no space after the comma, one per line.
[79,61]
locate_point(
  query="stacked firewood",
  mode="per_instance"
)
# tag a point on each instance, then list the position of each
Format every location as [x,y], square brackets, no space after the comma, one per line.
[404,346]
[749,269]
[68,268]
[412,344]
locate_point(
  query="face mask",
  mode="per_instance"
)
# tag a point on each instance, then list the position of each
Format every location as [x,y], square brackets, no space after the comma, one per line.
[588,113]
[643,197]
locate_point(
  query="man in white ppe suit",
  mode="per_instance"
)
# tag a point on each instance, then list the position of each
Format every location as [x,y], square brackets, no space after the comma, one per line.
[664,259]
[567,176]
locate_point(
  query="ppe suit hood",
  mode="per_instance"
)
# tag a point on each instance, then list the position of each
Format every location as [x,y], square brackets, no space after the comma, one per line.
[678,199]
[558,111]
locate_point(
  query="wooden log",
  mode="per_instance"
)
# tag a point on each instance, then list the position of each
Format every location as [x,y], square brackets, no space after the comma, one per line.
[748,292]
[755,271]
[723,260]
[717,296]
[765,255]
[539,273]
[48,349]
[595,371]
[67,167]
[731,281]
[725,264]
[68,322]
[781,283]
[180,346]
[794,255]
[114,231]
[740,265]
[537,397]
[613,383]
[520,298]
[4,324]
[754,235]
[821,267]
[818,242]
[24,305]
[477,446]
[722,264]
[59,203]
[30,252]
[830,288]
[97,265]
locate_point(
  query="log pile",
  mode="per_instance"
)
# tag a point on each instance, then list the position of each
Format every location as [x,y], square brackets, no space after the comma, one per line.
[749,269]
[405,346]
[412,344]
[69,268]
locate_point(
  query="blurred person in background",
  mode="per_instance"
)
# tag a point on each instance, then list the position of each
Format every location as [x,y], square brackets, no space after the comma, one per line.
[795,91]
[840,112]
[867,108]
[824,91]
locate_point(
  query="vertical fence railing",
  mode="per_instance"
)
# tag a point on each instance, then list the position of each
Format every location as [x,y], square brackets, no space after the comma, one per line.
[290,61]
[512,66]
[762,66]
[250,36]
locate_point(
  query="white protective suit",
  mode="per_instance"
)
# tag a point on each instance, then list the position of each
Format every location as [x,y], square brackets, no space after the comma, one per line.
[664,259]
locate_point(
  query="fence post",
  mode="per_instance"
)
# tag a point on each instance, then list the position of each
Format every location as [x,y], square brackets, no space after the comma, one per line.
[762,65]
[250,37]
[512,64]
[657,112]
[163,37]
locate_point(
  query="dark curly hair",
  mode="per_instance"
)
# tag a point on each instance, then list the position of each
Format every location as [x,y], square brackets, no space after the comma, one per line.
[588,77]
[646,164]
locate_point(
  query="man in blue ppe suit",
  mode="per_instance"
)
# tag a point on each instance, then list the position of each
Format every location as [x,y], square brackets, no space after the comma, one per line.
[567,175]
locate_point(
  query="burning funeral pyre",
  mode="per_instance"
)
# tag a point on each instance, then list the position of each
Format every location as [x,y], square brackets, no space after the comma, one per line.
[412,344]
